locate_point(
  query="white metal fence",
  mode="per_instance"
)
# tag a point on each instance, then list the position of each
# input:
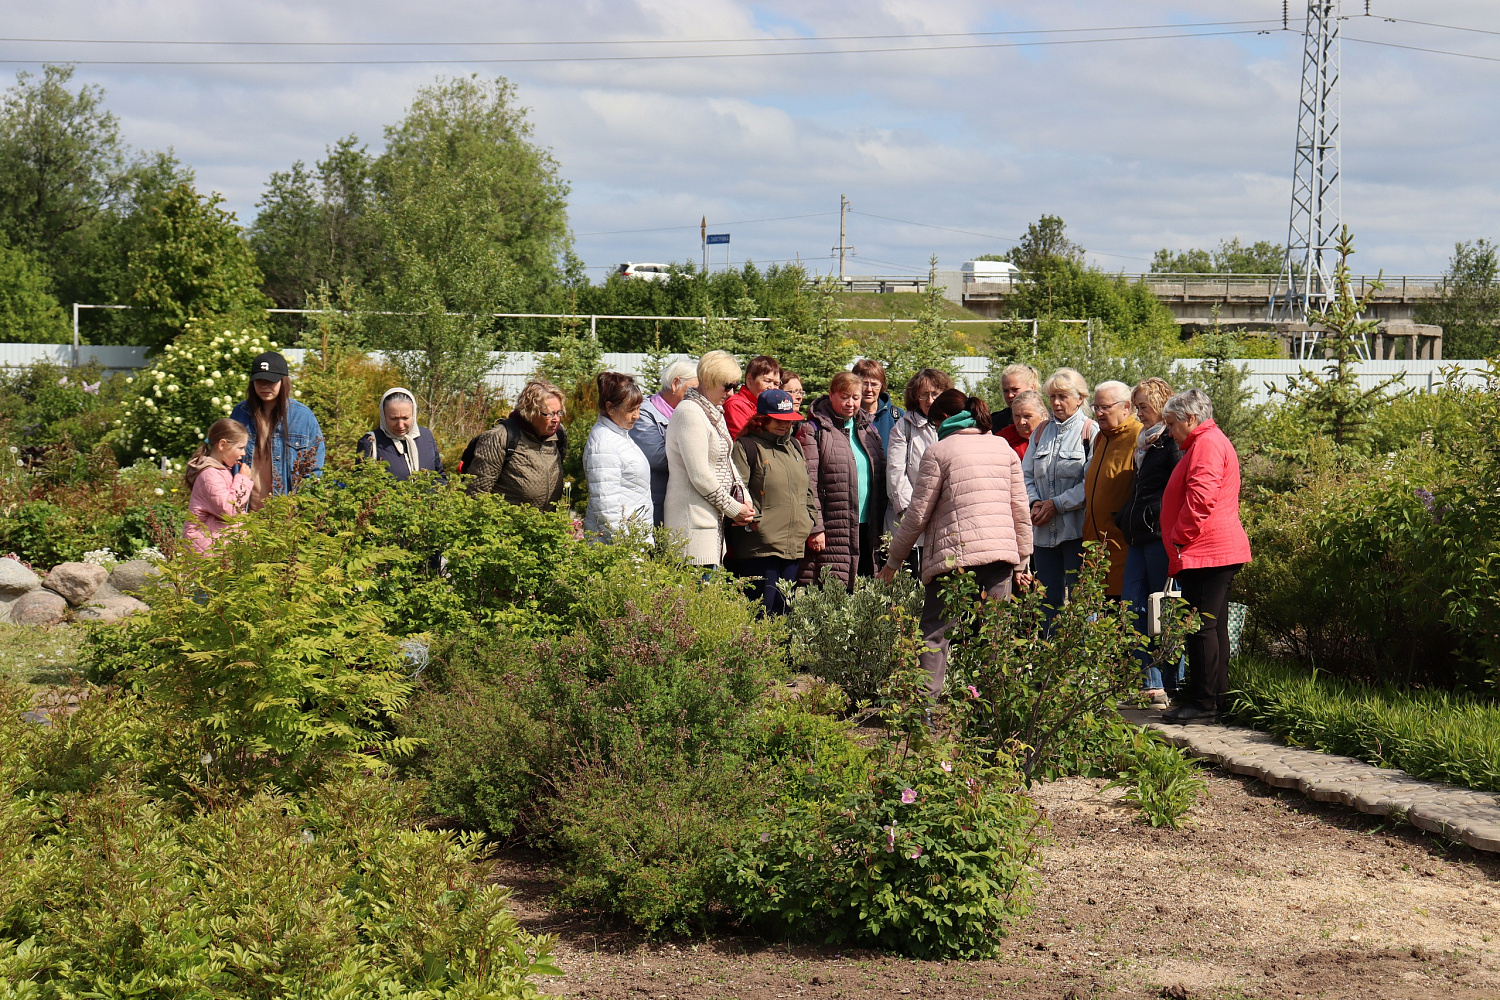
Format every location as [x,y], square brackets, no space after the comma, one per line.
[511,370]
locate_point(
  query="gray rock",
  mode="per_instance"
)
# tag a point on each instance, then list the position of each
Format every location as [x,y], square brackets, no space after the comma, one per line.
[16,579]
[134,576]
[40,607]
[6,601]
[111,610]
[106,592]
[75,581]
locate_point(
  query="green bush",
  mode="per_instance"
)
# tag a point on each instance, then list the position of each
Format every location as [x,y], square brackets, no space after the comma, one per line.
[197,379]
[926,854]
[1041,694]
[848,638]
[262,665]
[51,518]
[644,835]
[1429,734]
[45,405]
[108,891]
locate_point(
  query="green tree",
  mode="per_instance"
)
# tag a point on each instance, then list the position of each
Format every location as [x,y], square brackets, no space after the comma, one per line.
[60,161]
[1469,311]
[192,264]
[28,312]
[1223,381]
[927,343]
[811,337]
[1333,405]
[1232,257]
[1046,240]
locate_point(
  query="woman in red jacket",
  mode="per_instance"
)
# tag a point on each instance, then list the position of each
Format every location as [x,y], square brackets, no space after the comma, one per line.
[1206,544]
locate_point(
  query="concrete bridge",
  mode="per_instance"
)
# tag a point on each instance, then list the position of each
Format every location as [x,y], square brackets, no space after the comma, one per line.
[1239,297]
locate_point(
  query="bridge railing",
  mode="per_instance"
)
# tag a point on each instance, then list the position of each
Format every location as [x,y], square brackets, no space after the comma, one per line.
[1198,285]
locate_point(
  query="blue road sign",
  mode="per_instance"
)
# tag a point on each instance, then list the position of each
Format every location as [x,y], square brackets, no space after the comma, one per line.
[714,239]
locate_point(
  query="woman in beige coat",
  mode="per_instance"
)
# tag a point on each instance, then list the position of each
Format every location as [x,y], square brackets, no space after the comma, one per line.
[701,479]
[969,506]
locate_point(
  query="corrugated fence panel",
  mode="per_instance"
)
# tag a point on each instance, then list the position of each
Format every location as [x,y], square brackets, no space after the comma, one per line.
[511,370]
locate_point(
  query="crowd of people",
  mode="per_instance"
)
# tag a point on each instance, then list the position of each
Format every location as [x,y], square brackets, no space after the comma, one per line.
[729,465]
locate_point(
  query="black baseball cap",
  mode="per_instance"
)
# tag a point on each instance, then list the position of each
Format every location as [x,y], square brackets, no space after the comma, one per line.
[269,367]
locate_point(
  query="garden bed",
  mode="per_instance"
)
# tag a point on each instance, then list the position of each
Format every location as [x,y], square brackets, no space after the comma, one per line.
[1269,896]
[1428,734]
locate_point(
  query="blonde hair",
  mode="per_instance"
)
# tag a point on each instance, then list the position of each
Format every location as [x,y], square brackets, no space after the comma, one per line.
[223,429]
[1155,391]
[529,402]
[1020,369]
[717,368]
[846,382]
[1070,379]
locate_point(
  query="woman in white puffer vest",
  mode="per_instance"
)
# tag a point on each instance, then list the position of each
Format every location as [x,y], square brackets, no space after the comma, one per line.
[618,473]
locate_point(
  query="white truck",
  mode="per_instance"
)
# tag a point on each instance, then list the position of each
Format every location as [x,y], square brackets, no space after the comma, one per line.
[995,272]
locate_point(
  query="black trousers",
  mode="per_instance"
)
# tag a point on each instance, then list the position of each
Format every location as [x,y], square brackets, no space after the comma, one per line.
[1207,590]
[869,537]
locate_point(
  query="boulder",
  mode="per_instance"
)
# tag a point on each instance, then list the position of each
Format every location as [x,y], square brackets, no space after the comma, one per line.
[16,579]
[75,581]
[106,592]
[6,600]
[39,607]
[134,576]
[110,610]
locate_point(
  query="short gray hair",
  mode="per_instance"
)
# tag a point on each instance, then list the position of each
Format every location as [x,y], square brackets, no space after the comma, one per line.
[683,367]
[1116,391]
[1189,404]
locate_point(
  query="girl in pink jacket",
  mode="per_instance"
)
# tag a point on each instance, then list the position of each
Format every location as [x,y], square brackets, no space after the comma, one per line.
[219,488]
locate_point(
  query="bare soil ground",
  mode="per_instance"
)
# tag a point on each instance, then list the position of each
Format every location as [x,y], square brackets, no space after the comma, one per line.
[1271,895]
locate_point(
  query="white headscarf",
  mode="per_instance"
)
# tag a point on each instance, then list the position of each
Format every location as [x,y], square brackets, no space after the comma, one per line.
[406,443]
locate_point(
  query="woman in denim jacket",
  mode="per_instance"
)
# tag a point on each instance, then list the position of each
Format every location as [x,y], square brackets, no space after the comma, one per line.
[295,441]
[1054,467]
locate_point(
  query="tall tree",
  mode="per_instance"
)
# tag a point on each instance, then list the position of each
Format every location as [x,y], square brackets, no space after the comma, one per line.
[1232,257]
[60,161]
[28,312]
[193,264]
[1046,242]
[1469,311]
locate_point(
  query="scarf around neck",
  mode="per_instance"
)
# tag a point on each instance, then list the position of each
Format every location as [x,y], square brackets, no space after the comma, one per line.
[960,421]
[406,443]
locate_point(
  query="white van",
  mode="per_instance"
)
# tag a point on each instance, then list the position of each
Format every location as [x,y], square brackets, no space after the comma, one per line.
[999,272]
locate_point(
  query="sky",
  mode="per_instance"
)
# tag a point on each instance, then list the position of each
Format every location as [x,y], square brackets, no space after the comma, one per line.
[1139,143]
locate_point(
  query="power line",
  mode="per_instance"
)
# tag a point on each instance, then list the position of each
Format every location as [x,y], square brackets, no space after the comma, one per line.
[1419,48]
[741,222]
[665,57]
[1434,24]
[647,41]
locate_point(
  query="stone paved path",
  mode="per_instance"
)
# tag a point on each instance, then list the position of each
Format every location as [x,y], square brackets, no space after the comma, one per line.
[1447,810]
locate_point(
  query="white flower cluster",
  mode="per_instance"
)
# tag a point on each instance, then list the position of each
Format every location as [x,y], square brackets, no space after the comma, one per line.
[198,379]
[101,557]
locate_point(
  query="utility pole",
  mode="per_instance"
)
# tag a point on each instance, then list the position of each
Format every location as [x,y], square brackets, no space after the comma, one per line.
[843,240]
[703,238]
[1306,283]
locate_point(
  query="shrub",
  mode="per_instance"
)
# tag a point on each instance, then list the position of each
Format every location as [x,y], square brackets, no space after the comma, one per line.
[644,834]
[1429,734]
[48,521]
[197,379]
[926,855]
[1159,779]
[847,638]
[1043,692]
[344,390]
[915,847]
[106,889]
[262,666]
[45,405]
[654,657]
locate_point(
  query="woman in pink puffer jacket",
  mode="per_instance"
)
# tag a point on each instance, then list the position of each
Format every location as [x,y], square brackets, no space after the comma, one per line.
[219,488]
[969,507]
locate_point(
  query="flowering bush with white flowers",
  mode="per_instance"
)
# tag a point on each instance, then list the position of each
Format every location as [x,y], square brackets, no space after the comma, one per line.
[199,378]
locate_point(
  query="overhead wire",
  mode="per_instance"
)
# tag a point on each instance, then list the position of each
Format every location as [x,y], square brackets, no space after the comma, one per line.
[737,222]
[646,41]
[654,57]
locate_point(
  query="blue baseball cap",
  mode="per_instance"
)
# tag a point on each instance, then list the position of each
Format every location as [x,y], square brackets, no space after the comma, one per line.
[777,404]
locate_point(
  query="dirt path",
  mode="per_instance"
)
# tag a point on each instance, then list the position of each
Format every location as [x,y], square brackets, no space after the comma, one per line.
[1270,896]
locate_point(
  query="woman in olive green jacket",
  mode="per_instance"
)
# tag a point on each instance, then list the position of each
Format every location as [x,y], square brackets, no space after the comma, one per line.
[770,462]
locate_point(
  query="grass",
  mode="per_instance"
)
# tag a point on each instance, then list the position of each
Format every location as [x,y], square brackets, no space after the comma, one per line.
[1428,734]
[39,657]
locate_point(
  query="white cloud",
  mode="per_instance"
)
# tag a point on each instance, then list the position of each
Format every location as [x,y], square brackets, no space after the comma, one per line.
[1173,142]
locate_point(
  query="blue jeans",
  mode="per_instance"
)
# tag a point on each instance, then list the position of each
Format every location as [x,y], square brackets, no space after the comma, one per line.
[1145,574]
[763,574]
[1057,568]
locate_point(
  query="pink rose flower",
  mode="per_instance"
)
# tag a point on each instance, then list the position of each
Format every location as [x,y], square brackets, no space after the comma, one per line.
[908,797]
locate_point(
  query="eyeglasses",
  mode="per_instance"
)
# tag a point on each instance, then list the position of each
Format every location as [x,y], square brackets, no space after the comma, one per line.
[871,383]
[731,386]
[1111,406]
